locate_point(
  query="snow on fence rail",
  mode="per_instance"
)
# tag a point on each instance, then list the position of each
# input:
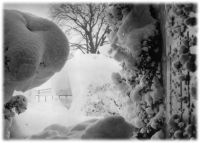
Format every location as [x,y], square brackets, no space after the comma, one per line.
[46,93]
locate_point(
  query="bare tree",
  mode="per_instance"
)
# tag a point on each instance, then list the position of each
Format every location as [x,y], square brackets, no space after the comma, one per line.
[87,20]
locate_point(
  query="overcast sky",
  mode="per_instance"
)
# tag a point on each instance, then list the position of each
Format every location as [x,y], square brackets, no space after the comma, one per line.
[41,10]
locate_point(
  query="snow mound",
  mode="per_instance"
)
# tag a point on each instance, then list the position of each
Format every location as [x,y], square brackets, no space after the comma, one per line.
[109,128]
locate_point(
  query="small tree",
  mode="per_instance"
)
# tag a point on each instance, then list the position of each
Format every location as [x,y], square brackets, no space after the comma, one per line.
[87,20]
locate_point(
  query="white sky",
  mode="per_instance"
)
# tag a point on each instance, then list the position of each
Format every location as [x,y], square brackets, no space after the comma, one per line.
[41,10]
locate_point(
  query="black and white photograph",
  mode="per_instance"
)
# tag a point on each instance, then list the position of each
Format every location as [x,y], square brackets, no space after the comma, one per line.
[99,71]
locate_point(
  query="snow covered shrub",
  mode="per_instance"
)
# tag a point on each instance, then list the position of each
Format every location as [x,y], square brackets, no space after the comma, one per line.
[158,135]
[105,100]
[83,125]
[190,130]
[157,121]
[48,134]
[148,99]
[137,26]
[116,78]
[192,41]
[183,49]
[113,127]
[177,65]
[34,49]
[138,122]
[158,91]
[137,46]
[191,21]
[194,91]
[178,134]
[191,66]
[173,122]
[184,58]
[136,93]
[18,103]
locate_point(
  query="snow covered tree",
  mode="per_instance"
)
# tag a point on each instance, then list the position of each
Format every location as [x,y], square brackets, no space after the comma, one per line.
[86,20]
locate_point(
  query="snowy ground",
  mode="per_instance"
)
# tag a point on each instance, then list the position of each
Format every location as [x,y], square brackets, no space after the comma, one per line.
[43,114]
[82,71]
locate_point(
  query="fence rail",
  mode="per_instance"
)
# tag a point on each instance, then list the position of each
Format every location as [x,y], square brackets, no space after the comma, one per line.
[43,93]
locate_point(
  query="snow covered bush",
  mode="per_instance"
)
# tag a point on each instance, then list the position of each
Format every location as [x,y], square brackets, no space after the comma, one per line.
[113,127]
[34,49]
[16,104]
[136,43]
[136,26]
[104,100]
[158,135]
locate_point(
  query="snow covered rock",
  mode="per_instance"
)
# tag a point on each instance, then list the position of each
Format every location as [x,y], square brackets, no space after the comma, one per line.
[34,49]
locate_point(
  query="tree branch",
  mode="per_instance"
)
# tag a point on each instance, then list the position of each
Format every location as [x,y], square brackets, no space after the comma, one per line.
[88,20]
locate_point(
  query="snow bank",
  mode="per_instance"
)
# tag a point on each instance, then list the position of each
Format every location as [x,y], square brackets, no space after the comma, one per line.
[43,114]
[113,127]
